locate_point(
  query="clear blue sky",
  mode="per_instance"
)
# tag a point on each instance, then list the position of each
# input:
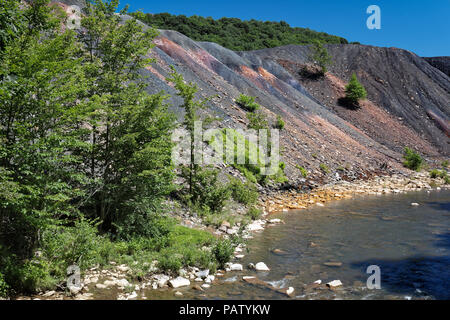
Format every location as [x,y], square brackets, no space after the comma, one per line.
[421,26]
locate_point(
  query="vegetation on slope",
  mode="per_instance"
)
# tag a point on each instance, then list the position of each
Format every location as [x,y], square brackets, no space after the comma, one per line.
[85,158]
[235,34]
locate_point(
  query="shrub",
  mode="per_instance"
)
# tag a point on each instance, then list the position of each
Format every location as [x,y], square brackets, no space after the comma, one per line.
[245,193]
[257,121]
[4,288]
[434,173]
[207,191]
[303,171]
[324,168]
[279,124]
[320,57]
[412,160]
[223,251]
[247,102]
[354,91]
[254,213]
[444,164]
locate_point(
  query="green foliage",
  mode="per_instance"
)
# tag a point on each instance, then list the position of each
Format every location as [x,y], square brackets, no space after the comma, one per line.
[354,91]
[206,190]
[303,171]
[434,173]
[320,56]
[245,193]
[236,34]
[254,213]
[257,121]
[223,251]
[279,124]
[4,288]
[324,168]
[247,102]
[412,160]
[444,164]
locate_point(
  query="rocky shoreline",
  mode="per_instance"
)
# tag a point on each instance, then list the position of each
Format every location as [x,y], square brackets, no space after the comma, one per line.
[116,278]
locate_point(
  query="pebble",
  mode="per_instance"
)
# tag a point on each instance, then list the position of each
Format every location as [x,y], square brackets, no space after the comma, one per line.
[261,266]
[236,267]
[334,283]
[179,282]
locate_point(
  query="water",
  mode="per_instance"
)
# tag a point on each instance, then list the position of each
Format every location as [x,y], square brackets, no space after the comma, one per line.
[411,245]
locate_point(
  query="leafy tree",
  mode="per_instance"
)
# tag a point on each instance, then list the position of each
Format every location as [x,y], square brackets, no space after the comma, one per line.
[320,56]
[412,160]
[354,91]
[247,102]
[236,34]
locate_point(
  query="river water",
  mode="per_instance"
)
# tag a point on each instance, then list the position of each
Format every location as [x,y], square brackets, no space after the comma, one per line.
[410,245]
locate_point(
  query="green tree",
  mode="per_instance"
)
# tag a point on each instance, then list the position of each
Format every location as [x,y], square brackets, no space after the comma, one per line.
[412,160]
[354,91]
[129,159]
[320,56]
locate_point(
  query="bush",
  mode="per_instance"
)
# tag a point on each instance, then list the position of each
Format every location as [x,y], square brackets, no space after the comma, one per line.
[207,191]
[257,121]
[412,160]
[444,164]
[245,193]
[254,213]
[247,102]
[4,288]
[223,251]
[303,171]
[354,91]
[434,173]
[324,168]
[320,57]
[279,124]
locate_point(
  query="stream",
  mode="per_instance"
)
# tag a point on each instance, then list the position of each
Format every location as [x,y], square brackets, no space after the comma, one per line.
[410,244]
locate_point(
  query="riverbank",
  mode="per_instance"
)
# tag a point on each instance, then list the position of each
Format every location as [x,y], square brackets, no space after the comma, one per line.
[119,281]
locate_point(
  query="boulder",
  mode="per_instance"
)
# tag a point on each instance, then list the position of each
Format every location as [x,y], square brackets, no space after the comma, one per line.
[236,267]
[179,282]
[261,266]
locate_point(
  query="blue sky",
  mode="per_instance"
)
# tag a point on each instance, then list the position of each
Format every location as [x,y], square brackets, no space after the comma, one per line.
[419,26]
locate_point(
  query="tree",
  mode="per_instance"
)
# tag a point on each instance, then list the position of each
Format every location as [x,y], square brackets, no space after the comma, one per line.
[129,158]
[320,56]
[355,91]
[412,160]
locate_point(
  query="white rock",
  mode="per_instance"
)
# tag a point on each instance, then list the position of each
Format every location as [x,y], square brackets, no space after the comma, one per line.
[179,282]
[133,295]
[109,283]
[202,273]
[209,279]
[101,286]
[161,280]
[239,256]
[290,291]
[255,226]
[261,266]
[74,290]
[122,283]
[319,204]
[334,283]
[236,267]
[198,280]
[275,221]
[49,293]
[206,286]
[178,294]
[318,281]
[123,268]
[415,204]
[248,277]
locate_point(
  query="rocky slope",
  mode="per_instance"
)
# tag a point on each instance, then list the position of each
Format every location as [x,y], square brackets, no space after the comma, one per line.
[408,102]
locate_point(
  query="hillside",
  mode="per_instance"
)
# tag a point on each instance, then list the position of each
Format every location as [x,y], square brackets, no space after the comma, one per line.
[236,34]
